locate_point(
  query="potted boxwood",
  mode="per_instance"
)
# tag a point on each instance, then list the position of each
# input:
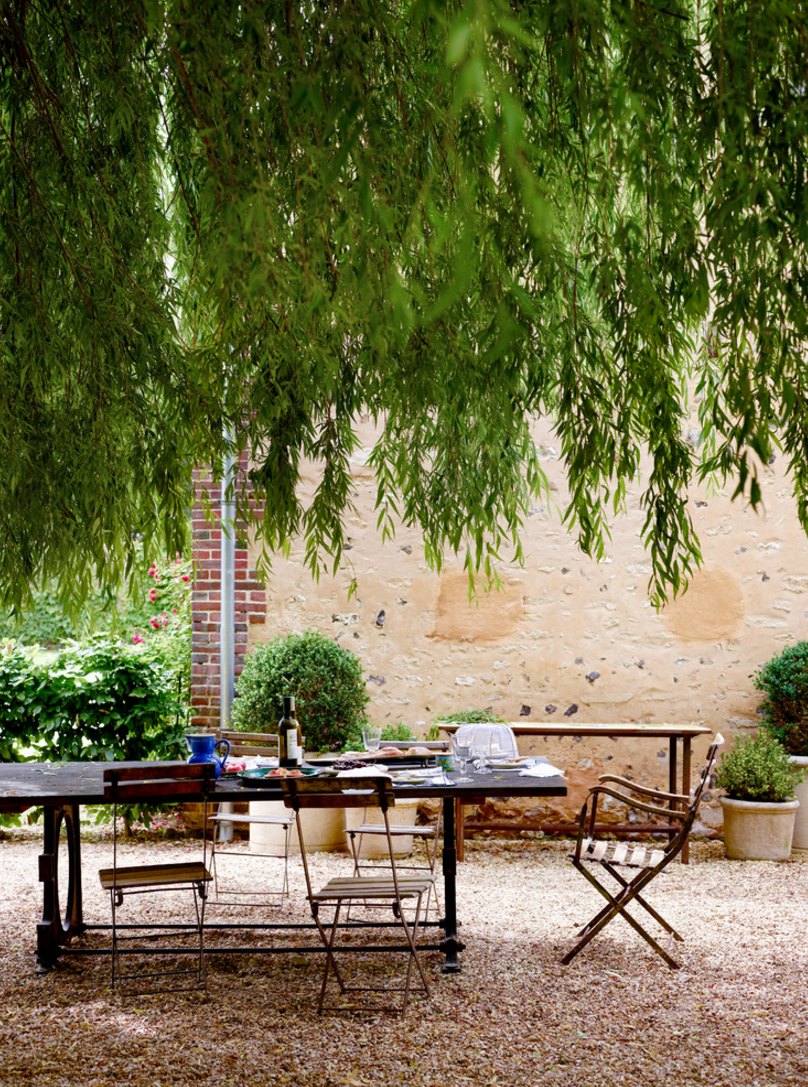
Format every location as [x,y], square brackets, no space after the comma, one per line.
[330,695]
[759,808]
[784,710]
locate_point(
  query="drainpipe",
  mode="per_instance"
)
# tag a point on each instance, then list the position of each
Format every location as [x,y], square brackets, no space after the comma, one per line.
[227,620]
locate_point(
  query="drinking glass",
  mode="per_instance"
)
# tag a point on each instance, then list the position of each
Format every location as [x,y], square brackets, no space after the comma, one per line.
[479,758]
[372,737]
[462,754]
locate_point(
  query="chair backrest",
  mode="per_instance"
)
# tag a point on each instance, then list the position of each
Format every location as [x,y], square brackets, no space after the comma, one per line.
[153,782]
[128,784]
[706,773]
[251,743]
[336,792]
[697,792]
[374,791]
[490,738]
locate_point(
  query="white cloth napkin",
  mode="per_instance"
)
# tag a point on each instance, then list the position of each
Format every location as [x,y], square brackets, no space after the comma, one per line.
[364,772]
[541,770]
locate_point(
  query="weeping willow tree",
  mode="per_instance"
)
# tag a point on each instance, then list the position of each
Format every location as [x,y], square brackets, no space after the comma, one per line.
[269,219]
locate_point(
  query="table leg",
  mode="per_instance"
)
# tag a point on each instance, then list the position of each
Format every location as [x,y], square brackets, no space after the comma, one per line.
[59,926]
[450,945]
[686,749]
[460,830]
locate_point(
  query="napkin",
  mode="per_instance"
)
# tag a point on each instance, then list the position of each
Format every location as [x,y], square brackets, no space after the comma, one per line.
[364,772]
[541,770]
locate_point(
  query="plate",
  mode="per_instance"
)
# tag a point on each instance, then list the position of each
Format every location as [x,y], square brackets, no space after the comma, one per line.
[509,764]
[263,778]
[413,777]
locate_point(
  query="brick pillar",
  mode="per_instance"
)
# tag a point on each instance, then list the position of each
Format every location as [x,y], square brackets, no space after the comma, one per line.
[206,602]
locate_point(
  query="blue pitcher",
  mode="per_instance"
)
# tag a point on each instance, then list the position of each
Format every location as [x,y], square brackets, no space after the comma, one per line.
[203,747]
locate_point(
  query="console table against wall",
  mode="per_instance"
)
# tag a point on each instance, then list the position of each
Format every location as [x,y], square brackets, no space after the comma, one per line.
[678,782]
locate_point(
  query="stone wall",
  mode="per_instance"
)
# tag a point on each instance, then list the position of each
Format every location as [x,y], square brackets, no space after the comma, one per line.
[564,635]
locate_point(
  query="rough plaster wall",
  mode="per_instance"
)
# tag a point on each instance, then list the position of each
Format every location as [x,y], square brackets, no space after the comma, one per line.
[565,634]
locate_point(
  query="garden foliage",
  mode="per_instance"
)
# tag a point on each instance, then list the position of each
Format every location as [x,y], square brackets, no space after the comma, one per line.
[100,700]
[784,710]
[758,768]
[277,220]
[325,679]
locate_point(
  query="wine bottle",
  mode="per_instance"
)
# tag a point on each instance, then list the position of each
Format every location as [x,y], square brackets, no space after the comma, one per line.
[290,749]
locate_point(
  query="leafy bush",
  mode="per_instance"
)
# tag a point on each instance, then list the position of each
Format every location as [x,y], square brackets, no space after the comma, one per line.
[19,690]
[399,731]
[43,623]
[758,768]
[325,679]
[100,700]
[784,679]
[460,717]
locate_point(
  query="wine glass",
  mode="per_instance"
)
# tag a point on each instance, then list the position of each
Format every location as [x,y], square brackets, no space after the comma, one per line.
[372,737]
[462,754]
[479,758]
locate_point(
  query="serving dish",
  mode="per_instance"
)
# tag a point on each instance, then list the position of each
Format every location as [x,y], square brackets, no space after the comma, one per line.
[268,777]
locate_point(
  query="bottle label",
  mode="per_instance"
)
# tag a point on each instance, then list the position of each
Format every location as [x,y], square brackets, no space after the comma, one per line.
[292,749]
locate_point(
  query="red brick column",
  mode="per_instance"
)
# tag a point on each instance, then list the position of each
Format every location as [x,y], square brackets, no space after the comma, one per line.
[206,601]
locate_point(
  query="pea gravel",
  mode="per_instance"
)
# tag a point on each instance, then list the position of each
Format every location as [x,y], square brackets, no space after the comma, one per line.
[735,1015]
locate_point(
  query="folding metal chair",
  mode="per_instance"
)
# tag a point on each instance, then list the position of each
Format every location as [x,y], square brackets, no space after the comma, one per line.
[592,853]
[428,835]
[224,846]
[391,888]
[136,785]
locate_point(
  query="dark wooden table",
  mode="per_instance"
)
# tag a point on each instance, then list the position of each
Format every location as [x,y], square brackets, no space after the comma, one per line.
[62,788]
[675,734]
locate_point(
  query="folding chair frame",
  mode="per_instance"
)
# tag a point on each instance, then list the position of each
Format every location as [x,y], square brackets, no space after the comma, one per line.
[395,890]
[648,862]
[428,835]
[126,785]
[249,743]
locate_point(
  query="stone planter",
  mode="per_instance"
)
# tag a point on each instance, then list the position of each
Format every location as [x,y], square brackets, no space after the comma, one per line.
[758,831]
[374,846]
[800,840]
[323,829]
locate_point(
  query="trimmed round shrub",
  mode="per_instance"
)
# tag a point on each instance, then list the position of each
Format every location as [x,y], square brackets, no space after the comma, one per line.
[758,768]
[784,710]
[325,678]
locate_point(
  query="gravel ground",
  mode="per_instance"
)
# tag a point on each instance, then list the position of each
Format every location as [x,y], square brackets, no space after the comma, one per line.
[735,1015]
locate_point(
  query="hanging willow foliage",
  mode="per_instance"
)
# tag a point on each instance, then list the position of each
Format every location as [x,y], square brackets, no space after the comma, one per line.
[275,217]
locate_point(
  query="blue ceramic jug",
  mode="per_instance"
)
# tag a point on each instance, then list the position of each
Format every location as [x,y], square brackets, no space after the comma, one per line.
[203,749]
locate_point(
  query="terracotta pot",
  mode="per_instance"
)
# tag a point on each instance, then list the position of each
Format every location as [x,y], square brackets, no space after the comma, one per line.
[757,830]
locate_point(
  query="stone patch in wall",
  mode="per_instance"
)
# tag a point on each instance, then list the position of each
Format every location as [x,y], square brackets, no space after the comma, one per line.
[712,609]
[488,618]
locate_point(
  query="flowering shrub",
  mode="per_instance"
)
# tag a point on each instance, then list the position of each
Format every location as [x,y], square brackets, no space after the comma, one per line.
[160,619]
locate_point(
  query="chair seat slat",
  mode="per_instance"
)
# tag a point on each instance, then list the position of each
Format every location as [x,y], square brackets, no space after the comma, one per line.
[395,828]
[153,875]
[266,820]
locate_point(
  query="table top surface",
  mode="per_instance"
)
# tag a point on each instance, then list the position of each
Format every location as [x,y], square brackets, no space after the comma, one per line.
[584,728]
[52,784]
